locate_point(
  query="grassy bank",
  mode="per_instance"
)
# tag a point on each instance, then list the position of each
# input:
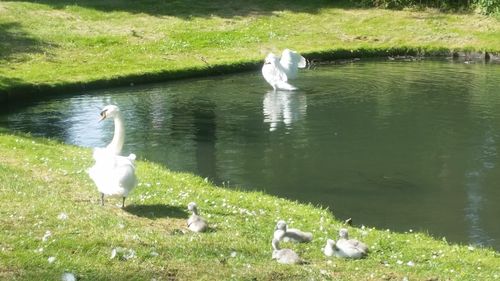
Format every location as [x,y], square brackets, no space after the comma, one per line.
[56,46]
[51,223]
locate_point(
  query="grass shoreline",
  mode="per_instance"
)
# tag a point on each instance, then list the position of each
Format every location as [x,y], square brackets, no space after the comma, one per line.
[41,179]
[28,91]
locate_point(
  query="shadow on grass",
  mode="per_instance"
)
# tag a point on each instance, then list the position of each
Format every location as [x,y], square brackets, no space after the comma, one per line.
[7,81]
[14,40]
[156,211]
[191,8]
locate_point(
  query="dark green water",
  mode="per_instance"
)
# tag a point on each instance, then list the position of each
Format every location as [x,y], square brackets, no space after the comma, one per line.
[399,145]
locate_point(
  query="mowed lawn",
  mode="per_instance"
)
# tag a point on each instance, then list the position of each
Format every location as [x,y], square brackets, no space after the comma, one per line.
[53,43]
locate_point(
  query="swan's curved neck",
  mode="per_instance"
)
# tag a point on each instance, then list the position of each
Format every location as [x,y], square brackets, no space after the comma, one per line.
[116,144]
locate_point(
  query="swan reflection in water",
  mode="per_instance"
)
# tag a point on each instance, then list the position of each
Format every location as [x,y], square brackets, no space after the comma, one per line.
[474,189]
[283,107]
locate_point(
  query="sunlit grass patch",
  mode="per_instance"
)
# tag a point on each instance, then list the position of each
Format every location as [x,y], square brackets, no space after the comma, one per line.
[52,223]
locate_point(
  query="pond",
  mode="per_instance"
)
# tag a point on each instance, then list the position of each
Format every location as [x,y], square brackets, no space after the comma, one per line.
[390,144]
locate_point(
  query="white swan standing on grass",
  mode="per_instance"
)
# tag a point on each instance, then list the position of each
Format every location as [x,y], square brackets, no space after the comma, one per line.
[278,71]
[195,222]
[114,175]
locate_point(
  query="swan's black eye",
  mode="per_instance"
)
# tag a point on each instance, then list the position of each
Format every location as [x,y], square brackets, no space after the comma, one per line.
[103,113]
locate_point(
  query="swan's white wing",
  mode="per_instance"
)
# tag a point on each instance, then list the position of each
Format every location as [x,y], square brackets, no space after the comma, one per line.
[268,73]
[289,57]
[291,61]
[112,174]
[276,77]
[126,177]
[273,74]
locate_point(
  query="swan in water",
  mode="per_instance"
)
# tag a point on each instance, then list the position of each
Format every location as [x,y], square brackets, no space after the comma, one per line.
[285,256]
[114,175]
[282,232]
[277,71]
[349,248]
[195,222]
[275,74]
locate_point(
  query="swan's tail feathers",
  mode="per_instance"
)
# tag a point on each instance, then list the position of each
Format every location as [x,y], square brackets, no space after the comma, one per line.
[282,85]
[132,157]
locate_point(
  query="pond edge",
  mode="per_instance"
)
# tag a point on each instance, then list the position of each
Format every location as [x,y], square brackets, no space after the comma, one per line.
[29,91]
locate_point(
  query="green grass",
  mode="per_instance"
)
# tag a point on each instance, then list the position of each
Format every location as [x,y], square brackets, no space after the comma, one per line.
[66,45]
[40,179]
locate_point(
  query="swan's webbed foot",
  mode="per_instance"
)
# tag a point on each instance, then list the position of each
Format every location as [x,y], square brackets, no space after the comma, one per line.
[102,199]
[123,202]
